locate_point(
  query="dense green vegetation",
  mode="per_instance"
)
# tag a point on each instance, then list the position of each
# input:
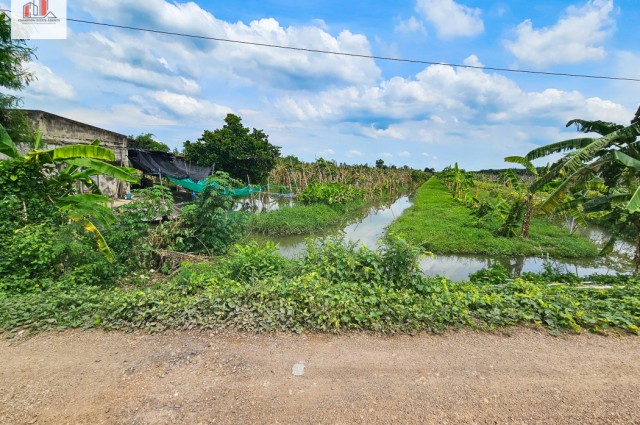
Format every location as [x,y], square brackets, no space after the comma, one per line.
[442,224]
[70,261]
[334,287]
[147,142]
[298,220]
[242,153]
[329,182]
[598,179]
[331,195]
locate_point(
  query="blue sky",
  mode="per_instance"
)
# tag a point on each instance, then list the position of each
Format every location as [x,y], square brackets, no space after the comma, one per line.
[349,109]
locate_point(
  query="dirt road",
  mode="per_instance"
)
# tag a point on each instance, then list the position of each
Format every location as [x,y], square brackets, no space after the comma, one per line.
[195,377]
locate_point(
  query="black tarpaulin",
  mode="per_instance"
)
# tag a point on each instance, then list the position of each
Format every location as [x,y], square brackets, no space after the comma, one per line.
[166,165]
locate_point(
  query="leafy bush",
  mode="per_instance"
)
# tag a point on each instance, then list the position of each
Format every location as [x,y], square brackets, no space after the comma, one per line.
[46,250]
[329,193]
[25,196]
[132,238]
[495,274]
[253,262]
[213,226]
[148,204]
[335,287]
[394,264]
[39,241]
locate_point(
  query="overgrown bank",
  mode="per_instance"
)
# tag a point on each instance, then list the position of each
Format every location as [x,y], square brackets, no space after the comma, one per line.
[334,287]
[324,206]
[303,219]
[440,224]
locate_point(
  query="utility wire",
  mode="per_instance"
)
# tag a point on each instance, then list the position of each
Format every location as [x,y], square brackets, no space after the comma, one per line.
[354,55]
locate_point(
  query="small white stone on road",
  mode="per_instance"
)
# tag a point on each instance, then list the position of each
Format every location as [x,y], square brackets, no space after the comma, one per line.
[298,368]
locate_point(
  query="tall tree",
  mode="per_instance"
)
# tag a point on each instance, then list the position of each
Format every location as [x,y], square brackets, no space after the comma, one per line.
[14,54]
[147,142]
[235,149]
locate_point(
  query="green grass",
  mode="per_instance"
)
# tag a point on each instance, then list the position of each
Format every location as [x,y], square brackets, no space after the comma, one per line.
[296,220]
[304,219]
[440,224]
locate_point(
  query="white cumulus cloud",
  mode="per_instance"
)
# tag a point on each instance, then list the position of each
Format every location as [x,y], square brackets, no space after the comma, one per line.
[575,38]
[187,106]
[118,116]
[134,56]
[450,18]
[47,83]
[444,94]
[411,25]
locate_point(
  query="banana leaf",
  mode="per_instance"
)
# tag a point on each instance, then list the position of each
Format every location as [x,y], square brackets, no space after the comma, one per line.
[100,167]
[565,145]
[601,127]
[634,203]
[524,162]
[100,240]
[627,160]
[7,146]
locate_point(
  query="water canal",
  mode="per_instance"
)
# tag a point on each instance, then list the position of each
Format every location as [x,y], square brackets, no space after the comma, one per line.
[369,229]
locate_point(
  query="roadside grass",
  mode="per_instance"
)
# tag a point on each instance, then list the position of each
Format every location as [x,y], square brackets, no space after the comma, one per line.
[440,224]
[334,288]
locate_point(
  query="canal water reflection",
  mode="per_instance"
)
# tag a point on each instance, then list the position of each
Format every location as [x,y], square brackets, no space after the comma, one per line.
[371,228]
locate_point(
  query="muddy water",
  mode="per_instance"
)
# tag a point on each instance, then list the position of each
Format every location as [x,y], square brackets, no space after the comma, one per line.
[369,229]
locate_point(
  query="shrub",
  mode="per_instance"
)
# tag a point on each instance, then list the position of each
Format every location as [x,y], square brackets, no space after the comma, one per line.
[214,226]
[330,193]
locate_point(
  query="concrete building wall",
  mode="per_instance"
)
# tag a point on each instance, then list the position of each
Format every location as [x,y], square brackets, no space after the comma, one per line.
[61,131]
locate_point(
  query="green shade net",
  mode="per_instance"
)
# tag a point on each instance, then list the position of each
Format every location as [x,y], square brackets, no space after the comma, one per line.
[199,186]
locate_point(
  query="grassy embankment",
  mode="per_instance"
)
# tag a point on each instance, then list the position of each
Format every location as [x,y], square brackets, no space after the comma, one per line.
[440,224]
[332,195]
[304,219]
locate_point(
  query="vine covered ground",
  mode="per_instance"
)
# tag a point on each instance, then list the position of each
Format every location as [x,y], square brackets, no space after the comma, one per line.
[334,287]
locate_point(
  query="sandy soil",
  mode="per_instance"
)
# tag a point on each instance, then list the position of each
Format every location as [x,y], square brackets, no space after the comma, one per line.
[195,377]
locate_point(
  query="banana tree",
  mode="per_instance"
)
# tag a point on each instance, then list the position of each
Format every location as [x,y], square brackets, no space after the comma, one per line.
[615,156]
[529,192]
[588,155]
[457,179]
[69,165]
